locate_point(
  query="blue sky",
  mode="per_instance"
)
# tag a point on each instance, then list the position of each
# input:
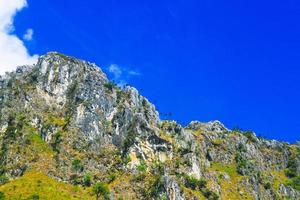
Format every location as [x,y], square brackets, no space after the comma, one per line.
[234,61]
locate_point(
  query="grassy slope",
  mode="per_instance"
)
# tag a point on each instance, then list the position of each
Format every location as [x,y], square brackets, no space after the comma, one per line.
[35,183]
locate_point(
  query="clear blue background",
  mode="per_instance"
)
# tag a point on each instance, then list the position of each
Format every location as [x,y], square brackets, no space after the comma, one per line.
[235,61]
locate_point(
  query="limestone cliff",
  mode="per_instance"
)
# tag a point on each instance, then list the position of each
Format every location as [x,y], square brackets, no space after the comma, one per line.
[62,121]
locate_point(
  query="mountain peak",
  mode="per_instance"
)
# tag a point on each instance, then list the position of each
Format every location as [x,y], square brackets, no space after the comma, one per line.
[64,119]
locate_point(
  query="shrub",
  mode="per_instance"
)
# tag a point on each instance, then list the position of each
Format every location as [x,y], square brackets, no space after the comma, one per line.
[112,177]
[291,170]
[209,194]
[295,183]
[3,179]
[101,189]
[191,182]
[127,159]
[250,135]
[267,185]
[34,197]
[77,165]
[142,167]
[194,183]
[75,180]
[139,177]
[156,187]
[110,86]
[2,196]
[87,180]
[129,140]
[56,141]
[237,129]
[244,167]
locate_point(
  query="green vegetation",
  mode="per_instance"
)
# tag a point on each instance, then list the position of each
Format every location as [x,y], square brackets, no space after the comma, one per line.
[101,189]
[229,169]
[156,186]
[244,166]
[142,167]
[87,180]
[291,170]
[295,183]
[56,140]
[112,177]
[193,183]
[230,187]
[110,86]
[217,142]
[34,184]
[34,197]
[129,140]
[3,179]
[77,165]
[210,195]
[250,135]
[2,196]
[199,185]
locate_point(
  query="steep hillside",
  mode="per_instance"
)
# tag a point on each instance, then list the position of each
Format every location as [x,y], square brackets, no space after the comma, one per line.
[67,132]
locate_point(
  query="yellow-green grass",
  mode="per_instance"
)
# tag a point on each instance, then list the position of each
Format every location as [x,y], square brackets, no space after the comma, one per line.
[230,188]
[190,194]
[46,188]
[279,178]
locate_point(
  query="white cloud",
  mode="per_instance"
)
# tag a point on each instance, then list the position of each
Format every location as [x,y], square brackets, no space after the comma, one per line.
[115,70]
[134,73]
[13,53]
[121,74]
[28,35]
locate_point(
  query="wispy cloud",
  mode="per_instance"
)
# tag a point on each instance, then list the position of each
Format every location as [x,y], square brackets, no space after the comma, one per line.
[121,74]
[115,70]
[28,36]
[13,52]
[134,73]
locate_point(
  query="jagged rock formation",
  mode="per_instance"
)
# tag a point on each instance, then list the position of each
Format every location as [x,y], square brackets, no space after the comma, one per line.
[64,119]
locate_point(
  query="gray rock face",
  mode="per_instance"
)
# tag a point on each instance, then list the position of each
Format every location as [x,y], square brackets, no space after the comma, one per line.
[172,189]
[289,192]
[214,126]
[94,104]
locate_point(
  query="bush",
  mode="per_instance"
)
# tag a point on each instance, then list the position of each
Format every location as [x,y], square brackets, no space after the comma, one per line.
[209,194]
[126,159]
[237,129]
[112,177]
[110,86]
[244,167]
[2,196]
[87,180]
[139,177]
[56,141]
[156,187]
[191,182]
[194,183]
[77,165]
[129,140]
[75,179]
[250,135]
[34,197]
[101,189]
[142,167]
[291,170]
[295,183]
[3,179]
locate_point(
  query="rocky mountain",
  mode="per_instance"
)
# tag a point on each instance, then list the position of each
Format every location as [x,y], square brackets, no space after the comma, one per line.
[67,132]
